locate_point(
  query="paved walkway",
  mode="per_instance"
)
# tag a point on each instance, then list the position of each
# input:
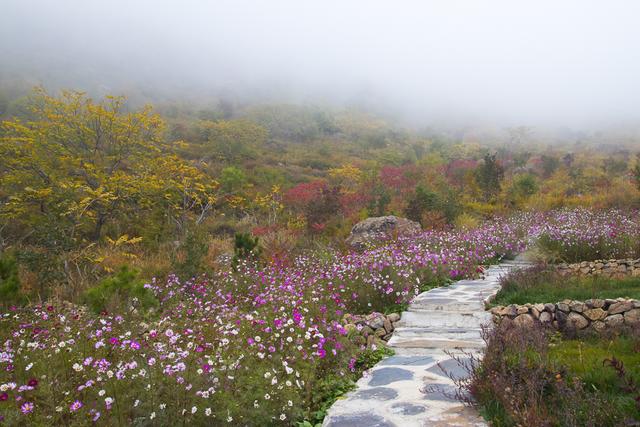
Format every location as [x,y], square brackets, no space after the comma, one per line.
[414,387]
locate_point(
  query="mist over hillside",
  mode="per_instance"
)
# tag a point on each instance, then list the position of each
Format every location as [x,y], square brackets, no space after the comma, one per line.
[457,63]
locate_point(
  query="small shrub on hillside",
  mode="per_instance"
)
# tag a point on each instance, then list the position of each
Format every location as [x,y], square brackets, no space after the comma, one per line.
[520,382]
[190,258]
[122,288]
[245,247]
[9,282]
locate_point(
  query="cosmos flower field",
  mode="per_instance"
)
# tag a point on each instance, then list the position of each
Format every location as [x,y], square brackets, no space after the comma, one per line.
[259,346]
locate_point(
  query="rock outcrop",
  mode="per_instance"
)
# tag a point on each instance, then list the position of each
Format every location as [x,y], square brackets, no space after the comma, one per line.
[375,229]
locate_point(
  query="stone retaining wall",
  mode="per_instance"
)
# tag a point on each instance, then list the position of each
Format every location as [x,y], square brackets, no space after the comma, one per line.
[594,314]
[608,268]
[367,329]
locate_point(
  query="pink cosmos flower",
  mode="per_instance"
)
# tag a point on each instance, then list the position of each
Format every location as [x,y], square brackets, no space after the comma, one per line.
[75,406]
[27,408]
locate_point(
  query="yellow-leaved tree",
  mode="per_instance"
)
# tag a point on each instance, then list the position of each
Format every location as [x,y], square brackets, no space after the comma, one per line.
[77,165]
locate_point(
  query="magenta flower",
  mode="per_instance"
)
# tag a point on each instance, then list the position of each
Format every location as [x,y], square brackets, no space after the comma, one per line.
[3,397]
[27,407]
[75,406]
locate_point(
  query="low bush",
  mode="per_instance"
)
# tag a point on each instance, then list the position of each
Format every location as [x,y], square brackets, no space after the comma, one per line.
[9,282]
[245,247]
[538,379]
[123,289]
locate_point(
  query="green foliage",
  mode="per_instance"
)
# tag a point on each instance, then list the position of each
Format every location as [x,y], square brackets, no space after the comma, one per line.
[293,123]
[522,187]
[636,172]
[425,201]
[245,247]
[489,176]
[189,261]
[113,292]
[379,201]
[232,140]
[584,358]
[370,357]
[232,180]
[421,201]
[332,387]
[549,165]
[80,166]
[534,378]
[9,281]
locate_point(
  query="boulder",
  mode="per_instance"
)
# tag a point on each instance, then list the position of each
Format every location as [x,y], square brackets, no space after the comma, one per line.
[561,317]
[393,317]
[595,314]
[620,307]
[375,320]
[546,317]
[577,321]
[614,321]
[523,320]
[509,311]
[380,228]
[388,326]
[632,317]
[577,306]
[595,303]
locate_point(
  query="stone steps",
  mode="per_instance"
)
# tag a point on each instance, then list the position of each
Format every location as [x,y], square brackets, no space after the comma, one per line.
[415,387]
[433,304]
[436,338]
[443,319]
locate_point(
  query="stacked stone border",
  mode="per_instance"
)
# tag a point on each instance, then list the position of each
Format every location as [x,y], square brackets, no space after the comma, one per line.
[375,328]
[593,314]
[616,268]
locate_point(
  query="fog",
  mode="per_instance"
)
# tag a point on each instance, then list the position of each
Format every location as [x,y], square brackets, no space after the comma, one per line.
[573,63]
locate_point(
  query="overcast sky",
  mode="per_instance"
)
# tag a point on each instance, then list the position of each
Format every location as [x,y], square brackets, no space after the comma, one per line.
[517,62]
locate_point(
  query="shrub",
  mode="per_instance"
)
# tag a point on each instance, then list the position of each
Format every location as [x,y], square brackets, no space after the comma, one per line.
[122,287]
[245,247]
[518,383]
[9,282]
[191,255]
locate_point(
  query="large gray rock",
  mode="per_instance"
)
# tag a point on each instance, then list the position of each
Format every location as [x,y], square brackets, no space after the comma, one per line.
[375,229]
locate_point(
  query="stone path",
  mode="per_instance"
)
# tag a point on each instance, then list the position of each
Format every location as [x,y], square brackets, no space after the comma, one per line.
[414,387]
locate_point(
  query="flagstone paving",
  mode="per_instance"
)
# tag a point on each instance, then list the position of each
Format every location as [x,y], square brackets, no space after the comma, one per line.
[432,342]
